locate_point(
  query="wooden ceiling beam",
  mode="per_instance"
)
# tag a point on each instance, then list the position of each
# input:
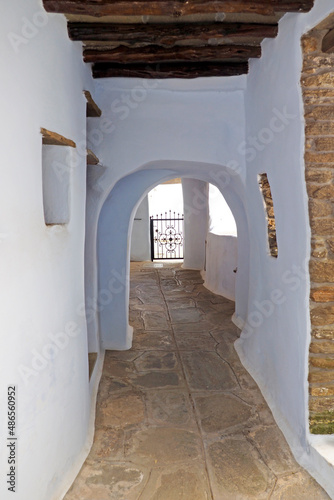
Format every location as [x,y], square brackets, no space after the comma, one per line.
[169,70]
[156,54]
[167,34]
[175,8]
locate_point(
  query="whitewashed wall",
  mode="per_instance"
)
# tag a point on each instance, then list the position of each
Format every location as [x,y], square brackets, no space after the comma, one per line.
[196,218]
[140,236]
[150,132]
[43,344]
[159,130]
[275,340]
[221,264]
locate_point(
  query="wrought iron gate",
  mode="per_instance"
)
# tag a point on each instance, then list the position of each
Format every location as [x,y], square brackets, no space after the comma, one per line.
[166,236]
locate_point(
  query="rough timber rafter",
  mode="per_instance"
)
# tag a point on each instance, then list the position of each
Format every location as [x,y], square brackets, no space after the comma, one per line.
[169,70]
[176,8]
[168,34]
[177,38]
[155,54]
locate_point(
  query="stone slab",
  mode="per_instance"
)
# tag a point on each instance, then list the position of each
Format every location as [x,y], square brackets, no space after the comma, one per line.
[121,411]
[156,379]
[170,408]
[156,360]
[104,481]
[163,446]
[297,487]
[274,449]
[206,370]
[219,412]
[155,320]
[185,315]
[202,341]
[152,340]
[186,482]
[237,471]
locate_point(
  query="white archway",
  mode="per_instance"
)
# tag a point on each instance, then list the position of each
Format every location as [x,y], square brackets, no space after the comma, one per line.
[114,232]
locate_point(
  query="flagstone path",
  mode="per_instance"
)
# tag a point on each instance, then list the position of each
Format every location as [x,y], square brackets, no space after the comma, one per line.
[178,417]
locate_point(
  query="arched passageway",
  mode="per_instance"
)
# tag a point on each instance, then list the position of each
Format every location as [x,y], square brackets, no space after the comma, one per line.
[115,225]
[177,415]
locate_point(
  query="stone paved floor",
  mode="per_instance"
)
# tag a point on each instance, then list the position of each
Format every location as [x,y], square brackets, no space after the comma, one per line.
[178,417]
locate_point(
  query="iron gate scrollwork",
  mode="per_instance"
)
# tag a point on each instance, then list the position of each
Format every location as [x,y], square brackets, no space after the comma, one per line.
[167,236]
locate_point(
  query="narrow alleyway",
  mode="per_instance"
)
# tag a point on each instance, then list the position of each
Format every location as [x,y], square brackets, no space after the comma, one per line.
[178,417]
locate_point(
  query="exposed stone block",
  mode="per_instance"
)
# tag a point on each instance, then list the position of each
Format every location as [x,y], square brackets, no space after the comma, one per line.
[322,226]
[324,144]
[318,176]
[322,272]
[320,112]
[320,192]
[323,294]
[322,347]
[320,208]
[320,128]
[323,158]
[322,391]
[322,315]
[320,96]
[323,333]
[321,376]
[323,80]
[330,244]
[310,44]
[322,362]
[320,405]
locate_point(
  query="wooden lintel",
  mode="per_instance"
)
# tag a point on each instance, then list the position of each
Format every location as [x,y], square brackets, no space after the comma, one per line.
[168,34]
[175,8]
[156,54]
[54,139]
[169,70]
[328,42]
[92,159]
[92,108]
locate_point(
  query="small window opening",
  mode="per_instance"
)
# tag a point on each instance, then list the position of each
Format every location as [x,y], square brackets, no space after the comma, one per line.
[270,214]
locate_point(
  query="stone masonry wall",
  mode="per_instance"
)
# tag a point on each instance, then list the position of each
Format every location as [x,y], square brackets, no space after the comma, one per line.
[270,214]
[318,93]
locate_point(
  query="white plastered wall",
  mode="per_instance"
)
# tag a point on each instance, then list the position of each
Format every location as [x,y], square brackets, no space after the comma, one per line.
[170,125]
[196,217]
[275,339]
[221,247]
[156,122]
[117,218]
[140,237]
[41,268]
